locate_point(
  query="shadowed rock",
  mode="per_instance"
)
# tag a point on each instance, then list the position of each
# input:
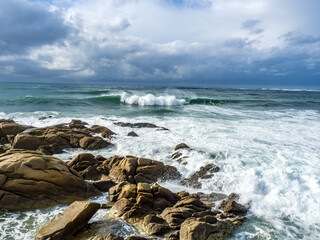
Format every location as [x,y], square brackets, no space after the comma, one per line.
[30,180]
[70,222]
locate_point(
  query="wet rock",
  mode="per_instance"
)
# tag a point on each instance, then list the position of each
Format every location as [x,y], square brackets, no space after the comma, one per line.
[61,135]
[75,123]
[181,146]
[139,125]
[204,173]
[138,238]
[97,238]
[105,132]
[231,206]
[70,222]
[30,180]
[45,117]
[211,198]
[132,134]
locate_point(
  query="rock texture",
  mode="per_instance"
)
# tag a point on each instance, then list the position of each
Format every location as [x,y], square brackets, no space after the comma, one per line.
[70,222]
[9,129]
[53,139]
[30,180]
[129,168]
[204,173]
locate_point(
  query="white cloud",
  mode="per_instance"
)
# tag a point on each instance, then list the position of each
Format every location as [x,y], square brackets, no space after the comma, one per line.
[160,40]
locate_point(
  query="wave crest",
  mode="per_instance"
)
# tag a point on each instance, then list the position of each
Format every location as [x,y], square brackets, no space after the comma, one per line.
[152,100]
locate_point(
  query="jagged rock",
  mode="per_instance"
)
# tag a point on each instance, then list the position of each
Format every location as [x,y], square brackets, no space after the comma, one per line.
[62,135]
[45,117]
[211,198]
[231,206]
[30,180]
[204,173]
[181,146]
[208,228]
[154,225]
[138,238]
[132,134]
[104,184]
[70,222]
[97,238]
[129,168]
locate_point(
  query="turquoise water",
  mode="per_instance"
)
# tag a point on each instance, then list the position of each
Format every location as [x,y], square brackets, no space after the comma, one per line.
[266,142]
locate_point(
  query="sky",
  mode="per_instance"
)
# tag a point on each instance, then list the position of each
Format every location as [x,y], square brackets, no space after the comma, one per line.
[182,42]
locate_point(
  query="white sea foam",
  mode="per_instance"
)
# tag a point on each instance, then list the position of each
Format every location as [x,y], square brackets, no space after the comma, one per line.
[271,158]
[152,100]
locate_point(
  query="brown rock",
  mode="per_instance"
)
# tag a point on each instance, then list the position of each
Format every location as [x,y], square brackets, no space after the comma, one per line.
[104,184]
[105,132]
[154,225]
[181,146]
[132,134]
[112,236]
[120,208]
[33,180]
[68,223]
[231,206]
[75,123]
[93,143]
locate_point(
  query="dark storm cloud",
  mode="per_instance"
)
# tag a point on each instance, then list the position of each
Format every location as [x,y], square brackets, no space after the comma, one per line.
[24,25]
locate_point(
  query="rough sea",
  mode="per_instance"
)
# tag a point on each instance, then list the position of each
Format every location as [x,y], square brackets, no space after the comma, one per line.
[265,141]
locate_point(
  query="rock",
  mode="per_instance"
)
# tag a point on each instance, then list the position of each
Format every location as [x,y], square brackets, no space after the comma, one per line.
[211,198]
[132,134]
[105,132]
[9,129]
[30,180]
[138,238]
[96,238]
[129,168]
[61,135]
[121,207]
[231,206]
[139,125]
[154,225]
[45,117]
[68,223]
[93,143]
[208,228]
[204,173]
[112,236]
[77,124]
[181,146]
[104,184]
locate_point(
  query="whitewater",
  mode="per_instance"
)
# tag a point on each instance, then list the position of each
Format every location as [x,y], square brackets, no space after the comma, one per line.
[265,141]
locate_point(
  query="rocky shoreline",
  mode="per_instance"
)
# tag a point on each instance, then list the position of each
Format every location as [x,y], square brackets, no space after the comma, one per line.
[30,178]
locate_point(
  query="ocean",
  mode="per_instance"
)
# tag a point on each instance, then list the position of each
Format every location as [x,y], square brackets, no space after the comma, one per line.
[265,141]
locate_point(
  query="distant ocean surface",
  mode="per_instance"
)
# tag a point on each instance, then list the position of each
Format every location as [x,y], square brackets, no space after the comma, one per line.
[265,141]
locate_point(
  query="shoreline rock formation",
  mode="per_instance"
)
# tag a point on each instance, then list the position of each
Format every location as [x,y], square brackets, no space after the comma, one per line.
[31,180]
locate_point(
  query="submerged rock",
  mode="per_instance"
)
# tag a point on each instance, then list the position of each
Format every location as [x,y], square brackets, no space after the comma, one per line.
[181,146]
[204,173]
[30,180]
[139,125]
[70,222]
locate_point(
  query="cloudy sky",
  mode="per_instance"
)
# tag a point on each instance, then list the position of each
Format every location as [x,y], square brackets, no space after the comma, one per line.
[197,42]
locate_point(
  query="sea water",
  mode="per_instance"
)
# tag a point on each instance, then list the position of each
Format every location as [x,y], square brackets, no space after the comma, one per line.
[265,141]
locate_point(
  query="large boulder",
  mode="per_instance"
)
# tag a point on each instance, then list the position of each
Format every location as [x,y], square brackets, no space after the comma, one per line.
[70,222]
[30,180]
[54,139]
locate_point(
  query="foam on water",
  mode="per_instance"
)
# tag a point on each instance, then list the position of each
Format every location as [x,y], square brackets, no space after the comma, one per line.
[151,100]
[270,157]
